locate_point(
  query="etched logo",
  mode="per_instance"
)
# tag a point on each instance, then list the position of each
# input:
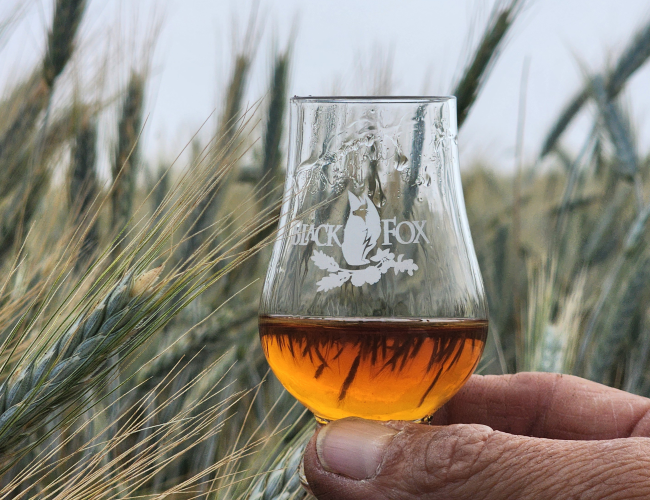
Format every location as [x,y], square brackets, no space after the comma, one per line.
[362,232]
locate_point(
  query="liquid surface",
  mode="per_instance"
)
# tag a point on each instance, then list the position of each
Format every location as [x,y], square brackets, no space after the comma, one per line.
[387,369]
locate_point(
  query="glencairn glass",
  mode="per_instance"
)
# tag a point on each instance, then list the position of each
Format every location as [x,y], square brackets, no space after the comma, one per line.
[373,304]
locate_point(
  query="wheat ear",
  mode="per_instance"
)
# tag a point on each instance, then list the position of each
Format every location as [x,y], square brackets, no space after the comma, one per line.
[45,384]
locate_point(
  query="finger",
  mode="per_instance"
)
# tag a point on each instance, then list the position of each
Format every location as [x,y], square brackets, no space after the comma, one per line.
[547,405]
[354,459]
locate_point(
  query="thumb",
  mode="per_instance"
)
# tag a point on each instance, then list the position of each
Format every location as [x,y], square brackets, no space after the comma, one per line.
[354,459]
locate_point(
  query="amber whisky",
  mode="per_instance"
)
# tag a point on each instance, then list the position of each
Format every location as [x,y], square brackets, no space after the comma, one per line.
[380,369]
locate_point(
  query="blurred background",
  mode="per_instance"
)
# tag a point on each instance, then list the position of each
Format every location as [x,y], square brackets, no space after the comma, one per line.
[142,153]
[425,43]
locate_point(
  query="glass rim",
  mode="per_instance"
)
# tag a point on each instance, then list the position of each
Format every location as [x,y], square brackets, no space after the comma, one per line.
[372,99]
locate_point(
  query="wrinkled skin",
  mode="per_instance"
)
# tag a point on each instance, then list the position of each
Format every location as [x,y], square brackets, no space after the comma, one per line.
[526,436]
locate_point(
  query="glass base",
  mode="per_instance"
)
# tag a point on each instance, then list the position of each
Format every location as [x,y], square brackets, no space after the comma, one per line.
[424,420]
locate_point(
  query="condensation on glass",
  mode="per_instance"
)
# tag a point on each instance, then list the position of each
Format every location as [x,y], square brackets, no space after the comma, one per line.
[373,231]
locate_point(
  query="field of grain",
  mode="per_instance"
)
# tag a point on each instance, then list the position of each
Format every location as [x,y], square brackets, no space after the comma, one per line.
[129,355]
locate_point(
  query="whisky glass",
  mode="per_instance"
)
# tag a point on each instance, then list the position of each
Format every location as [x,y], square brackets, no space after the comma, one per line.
[373,304]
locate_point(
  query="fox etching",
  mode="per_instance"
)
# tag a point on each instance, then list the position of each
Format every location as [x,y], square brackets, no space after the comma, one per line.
[362,230]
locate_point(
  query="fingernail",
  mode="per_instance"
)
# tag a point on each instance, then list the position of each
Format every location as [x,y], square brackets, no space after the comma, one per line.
[353,447]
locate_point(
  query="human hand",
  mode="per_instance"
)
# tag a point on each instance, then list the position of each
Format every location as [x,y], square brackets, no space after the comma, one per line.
[526,436]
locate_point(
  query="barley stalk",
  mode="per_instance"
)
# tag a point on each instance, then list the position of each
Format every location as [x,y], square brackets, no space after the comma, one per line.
[585,155]
[226,142]
[606,220]
[20,210]
[160,187]
[618,127]
[36,90]
[25,198]
[126,162]
[209,205]
[193,342]
[485,56]
[565,118]
[84,184]
[275,125]
[632,58]
[45,384]
[638,356]
[618,316]
[272,155]
[282,480]
[137,462]
[67,16]
[83,177]
[568,324]
[28,101]
[234,96]
[630,250]
[530,345]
